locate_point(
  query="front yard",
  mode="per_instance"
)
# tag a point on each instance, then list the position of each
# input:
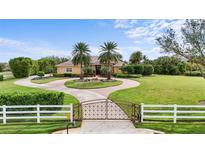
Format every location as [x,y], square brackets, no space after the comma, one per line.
[9,86]
[161,89]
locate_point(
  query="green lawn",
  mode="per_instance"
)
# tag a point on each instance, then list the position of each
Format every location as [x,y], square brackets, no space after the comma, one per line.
[92,84]
[32,127]
[160,89]
[46,80]
[178,128]
[9,86]
[7,75]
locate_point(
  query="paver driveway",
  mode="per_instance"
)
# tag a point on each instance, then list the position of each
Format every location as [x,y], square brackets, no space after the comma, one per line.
[88,127]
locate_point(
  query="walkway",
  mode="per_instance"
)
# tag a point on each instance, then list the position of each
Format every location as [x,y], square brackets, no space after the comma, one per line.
[96,127]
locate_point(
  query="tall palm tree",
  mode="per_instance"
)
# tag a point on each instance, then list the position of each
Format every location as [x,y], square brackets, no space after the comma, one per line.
[136,57]
[81,55]
[108,55]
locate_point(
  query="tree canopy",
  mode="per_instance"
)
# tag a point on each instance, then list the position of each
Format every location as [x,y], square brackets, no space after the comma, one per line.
[81,55]
[109,54]
[190,44]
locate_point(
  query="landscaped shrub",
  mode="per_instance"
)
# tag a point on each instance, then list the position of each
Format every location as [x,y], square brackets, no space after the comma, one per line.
[120,75]
[66,75]
[58,75]
[20,66]
[42,98]
[103,71]
[138,69]
[129,69]
[71,75]
[193,73]
[148,70]
[41,74]
[1,77]
[88,71]
[173,70]
[157,69]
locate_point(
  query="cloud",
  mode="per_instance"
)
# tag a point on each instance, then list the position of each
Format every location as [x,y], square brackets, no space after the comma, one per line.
[9,42]
[125,23]
[148,30]
[12,48]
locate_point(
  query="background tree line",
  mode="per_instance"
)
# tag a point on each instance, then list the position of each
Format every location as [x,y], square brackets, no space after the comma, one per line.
[24,66]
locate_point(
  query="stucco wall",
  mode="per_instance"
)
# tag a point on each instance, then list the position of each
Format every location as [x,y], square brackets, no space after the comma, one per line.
[75,69]
[117,70]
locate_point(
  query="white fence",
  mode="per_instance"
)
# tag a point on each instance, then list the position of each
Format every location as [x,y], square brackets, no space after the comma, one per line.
[175,112]
[38,112]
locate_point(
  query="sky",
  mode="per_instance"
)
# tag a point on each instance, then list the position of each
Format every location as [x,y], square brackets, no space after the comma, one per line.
[40,38]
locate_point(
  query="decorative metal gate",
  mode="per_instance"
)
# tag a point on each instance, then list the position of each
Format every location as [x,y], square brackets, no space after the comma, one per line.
[104,109]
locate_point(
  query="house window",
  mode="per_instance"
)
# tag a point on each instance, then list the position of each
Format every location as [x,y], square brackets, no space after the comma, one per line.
[68,70]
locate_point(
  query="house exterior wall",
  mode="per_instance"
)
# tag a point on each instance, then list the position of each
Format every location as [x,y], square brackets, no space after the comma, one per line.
[76,69]
[117,70]
[62,69]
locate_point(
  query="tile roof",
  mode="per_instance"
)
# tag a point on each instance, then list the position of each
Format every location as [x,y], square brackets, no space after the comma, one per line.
[94,61]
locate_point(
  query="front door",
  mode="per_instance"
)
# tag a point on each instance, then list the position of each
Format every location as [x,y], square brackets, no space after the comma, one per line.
[98,67]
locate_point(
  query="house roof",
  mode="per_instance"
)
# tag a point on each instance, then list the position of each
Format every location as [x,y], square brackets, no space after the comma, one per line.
[94,61]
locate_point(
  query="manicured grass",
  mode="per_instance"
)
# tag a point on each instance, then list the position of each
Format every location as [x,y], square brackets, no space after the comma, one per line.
[7,75]
[179,128]
[91,84]
[9,86]
[160,89]
[32,127]
[46,80]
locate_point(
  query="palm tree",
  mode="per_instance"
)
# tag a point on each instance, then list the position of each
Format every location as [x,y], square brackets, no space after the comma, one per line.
[136,57]
[109,54]
[81,55]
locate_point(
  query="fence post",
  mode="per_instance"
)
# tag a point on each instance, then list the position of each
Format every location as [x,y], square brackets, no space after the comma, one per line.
[71,112]
[175,113]
[38,113]
[142,112]
[4,114]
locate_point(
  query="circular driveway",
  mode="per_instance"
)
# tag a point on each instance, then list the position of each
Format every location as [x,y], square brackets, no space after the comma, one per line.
[80,94]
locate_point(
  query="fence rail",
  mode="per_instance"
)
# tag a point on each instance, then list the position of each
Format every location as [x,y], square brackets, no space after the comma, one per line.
[175,112]
[7,113]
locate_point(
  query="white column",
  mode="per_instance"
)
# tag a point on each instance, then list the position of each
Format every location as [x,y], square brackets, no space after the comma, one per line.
[4,114]
[71,112]
[38,113]
[175,113]
[142,112]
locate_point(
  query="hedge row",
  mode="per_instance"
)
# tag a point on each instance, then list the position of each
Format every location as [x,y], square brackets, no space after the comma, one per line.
[65,75]
[193,73]
[25,98]
[126,75]
[144,69]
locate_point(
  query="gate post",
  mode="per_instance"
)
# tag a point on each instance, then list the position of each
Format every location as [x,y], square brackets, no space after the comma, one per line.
[142,112]
[133,113]
[4,114]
